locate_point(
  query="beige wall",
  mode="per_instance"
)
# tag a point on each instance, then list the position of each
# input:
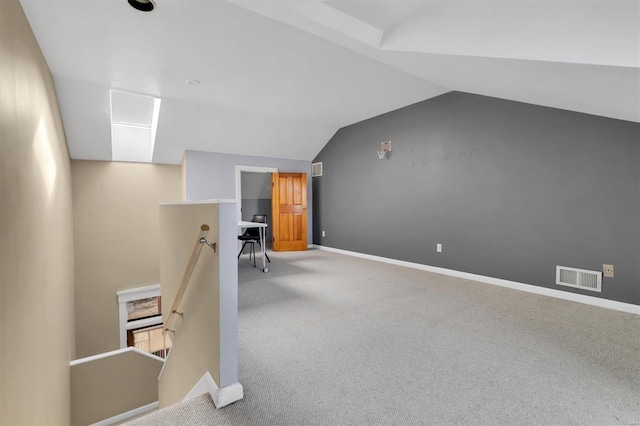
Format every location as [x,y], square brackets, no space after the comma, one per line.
[116,241]
[36,234]
[114,385]
[196,343]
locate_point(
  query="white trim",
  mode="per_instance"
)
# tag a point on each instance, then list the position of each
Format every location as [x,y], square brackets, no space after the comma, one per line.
[204,385]
[573,297]
[199,202]
[228,395]
[129,414]
[145,322]
[123,316]
[164,365]
[221,397]
[138,293]
[113,353]
[253,169]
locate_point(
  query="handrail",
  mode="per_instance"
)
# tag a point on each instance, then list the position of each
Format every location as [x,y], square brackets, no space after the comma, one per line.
[195,253]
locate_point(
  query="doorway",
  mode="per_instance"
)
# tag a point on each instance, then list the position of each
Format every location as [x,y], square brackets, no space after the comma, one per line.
[289,210]
[253,195]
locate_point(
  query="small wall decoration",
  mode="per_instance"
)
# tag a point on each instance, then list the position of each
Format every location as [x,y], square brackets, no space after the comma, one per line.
[385,147]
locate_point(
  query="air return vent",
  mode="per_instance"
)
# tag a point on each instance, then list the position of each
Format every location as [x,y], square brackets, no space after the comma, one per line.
[579,278]
[316,169]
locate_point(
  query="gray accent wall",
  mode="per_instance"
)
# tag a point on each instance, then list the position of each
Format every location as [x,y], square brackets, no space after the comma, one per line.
[509,189]
[211,175]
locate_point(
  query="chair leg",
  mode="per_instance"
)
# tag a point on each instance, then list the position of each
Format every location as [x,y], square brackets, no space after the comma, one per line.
[242,249]
[253,249]
[265,254]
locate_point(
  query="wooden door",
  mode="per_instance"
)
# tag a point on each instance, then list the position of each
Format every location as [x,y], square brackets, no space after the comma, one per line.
[289,211]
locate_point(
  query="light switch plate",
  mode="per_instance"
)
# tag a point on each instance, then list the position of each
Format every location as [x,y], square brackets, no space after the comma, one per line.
[608,270]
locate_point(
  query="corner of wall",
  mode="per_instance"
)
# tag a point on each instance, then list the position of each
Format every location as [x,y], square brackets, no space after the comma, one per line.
[36,233]
[183,174]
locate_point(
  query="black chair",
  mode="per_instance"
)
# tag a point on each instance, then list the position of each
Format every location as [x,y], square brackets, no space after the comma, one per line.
[252,236]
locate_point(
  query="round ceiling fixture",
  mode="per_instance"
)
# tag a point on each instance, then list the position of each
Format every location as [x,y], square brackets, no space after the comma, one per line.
[193,82]
[142,5]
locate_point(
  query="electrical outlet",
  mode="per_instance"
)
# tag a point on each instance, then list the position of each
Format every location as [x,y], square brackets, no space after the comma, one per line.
[323,233]
[439,248]
[608,270]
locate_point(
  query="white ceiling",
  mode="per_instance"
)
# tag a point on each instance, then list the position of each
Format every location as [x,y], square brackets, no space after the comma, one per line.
[279,78]
[381,14]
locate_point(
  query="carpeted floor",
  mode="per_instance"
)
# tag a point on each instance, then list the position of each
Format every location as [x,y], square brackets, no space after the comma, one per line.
[331,339]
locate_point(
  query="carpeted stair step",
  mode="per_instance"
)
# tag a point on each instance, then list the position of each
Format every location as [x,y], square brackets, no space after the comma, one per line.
[196,411]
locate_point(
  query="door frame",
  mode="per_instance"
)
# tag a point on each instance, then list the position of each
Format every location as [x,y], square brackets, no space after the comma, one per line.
[252,169]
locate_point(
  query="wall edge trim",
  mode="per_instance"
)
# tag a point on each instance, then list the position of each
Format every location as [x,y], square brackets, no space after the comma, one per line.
[221,397]
[529,288]
[128,414]
[114,353]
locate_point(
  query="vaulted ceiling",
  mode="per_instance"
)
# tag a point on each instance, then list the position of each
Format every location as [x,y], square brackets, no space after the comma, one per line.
[279,78]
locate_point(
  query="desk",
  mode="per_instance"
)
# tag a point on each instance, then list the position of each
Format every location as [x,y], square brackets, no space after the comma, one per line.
[262,229]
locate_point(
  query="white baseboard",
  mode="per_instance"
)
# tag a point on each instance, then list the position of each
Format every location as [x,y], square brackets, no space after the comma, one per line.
[228,395]
[559,294]
[129,414]
[221,397]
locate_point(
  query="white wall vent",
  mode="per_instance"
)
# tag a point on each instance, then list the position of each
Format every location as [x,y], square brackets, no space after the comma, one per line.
[579,278]
[316,169]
